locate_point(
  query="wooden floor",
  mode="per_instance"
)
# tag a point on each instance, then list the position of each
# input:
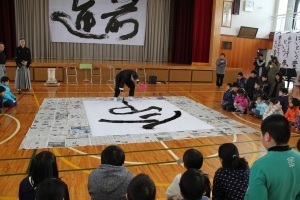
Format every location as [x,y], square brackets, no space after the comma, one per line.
[159,160]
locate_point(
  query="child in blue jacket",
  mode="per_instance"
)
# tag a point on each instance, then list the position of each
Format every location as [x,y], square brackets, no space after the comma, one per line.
[260,108]
[9,100]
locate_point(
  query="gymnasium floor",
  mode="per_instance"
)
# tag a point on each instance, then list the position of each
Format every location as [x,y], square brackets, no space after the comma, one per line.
[161,160]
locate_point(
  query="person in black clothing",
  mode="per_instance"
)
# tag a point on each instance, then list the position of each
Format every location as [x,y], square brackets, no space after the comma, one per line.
[23,61]
[241,80]
[229,106]
[126,77]
[283,98]
[2,60]
[274,92]
[50,189]
[43,166]
[256,92]
[260,65]
[250,83]
[266,85]
[230,180]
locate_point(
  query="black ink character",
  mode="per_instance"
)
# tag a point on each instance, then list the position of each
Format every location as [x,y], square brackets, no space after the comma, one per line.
[84,15]
[114,25]
[151,122]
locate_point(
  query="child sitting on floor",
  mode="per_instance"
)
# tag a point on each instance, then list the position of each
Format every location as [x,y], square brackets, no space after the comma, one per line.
[283,98]
[273,108]
[9,100]
[260,107]
[292,111]
[229,106]
[226,95]
[241,101]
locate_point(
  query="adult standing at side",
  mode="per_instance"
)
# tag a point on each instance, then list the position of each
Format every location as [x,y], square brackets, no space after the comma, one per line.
[220,70]
[260,65]
[23,61]
[2,60]
[275,175]
[273,68]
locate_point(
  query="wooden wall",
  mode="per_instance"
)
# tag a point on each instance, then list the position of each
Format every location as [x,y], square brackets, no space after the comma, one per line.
[243,51]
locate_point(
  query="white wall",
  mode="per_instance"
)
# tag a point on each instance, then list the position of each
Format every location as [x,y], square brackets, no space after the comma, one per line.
[260,18]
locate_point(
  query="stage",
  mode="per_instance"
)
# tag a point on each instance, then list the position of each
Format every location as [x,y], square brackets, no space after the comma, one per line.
[165,71]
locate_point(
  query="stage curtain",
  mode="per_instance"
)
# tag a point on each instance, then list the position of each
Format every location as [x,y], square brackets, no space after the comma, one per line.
[32,22]
[8,27]
[182,31]
[202,30]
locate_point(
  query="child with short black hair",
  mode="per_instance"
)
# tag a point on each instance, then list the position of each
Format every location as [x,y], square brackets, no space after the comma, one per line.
[266,86]
[9,99]
[283,98]
[241,80]
[229,106]
[260,107]
[241,101]
[273,108]
[141,187]
[192,185]
[226,95]
[257,92]
[250,83]
[192,159]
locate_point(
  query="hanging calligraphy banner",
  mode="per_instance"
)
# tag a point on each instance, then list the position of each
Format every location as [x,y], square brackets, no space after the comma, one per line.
[286,47]
[101,21]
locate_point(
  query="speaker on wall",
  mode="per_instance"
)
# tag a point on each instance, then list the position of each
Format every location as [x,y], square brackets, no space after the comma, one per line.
[236,7]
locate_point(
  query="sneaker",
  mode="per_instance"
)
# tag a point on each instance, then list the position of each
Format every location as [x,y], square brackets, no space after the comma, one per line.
[130,98]
[117,99]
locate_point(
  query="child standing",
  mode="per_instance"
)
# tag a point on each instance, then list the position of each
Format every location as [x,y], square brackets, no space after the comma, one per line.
[283,98]
[260,107]
[241,101]
[273,108]
[9,99]
[292,111]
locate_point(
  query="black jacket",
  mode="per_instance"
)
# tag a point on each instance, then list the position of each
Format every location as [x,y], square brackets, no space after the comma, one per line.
[23,54]
[124,77]
[2,58]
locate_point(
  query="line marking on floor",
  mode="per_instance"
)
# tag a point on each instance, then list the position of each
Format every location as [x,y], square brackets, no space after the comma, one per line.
[98,157]
[15,132]
[246,120]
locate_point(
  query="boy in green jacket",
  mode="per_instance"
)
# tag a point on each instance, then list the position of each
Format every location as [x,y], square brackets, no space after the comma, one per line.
[277,174]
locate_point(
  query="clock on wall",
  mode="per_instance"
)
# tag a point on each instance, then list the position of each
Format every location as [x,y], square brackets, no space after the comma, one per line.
[249,5]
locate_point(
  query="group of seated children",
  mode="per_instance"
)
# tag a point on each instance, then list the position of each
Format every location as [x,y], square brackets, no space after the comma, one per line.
[7,99]
[261,98]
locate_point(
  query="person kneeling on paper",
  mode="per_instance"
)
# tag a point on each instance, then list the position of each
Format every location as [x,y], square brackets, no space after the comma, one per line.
[125,77]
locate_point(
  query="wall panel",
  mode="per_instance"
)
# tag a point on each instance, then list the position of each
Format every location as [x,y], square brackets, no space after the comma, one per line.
[243,51]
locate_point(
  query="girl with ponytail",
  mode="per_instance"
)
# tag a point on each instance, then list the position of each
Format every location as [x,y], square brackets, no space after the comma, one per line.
[231,180]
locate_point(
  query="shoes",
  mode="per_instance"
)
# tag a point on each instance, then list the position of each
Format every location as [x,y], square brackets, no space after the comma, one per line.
[117,99]
[244,112]
[131,99]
